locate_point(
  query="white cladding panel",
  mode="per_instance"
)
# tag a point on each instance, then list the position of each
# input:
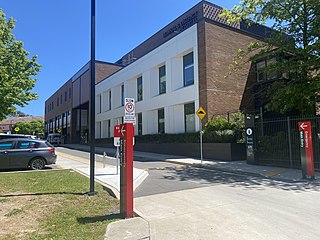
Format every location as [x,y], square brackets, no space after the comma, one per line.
[171,55]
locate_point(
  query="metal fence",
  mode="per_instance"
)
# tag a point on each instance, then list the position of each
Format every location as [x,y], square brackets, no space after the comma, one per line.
[277,141]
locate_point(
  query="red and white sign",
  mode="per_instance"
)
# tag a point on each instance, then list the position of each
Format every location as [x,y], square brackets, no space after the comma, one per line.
[307,160]
[129,111]
[116,134]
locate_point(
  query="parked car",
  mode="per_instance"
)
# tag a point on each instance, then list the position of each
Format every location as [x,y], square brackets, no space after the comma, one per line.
[26,153]
[54,138]
[7,136]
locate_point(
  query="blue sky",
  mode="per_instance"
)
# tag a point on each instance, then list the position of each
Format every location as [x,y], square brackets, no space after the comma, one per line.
[58,31]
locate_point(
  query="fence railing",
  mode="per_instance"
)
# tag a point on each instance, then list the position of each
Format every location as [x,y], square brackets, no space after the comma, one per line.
[277,141]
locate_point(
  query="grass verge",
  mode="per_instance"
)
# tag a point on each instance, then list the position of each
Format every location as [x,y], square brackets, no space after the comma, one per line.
[53,205]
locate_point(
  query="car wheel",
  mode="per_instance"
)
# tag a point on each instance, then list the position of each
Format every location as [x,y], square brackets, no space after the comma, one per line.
[37,164]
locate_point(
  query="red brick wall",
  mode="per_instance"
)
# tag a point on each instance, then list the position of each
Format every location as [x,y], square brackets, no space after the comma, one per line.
[219,94]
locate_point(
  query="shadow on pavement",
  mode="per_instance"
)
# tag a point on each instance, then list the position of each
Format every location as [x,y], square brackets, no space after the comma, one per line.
[206,177]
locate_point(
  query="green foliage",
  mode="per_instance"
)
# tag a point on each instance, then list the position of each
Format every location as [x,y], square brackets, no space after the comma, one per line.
[220,130]
[296,25]
[16,70]
[31,128]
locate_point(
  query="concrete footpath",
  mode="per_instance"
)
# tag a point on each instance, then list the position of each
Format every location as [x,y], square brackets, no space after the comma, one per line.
[241,167]
[107,175]
[201,213]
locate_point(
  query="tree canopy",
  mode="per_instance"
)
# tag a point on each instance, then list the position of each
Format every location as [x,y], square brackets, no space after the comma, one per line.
[17,71]
[296,25]
[30,128]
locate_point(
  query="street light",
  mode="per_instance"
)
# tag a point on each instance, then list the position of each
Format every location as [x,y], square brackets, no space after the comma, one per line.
[92,99]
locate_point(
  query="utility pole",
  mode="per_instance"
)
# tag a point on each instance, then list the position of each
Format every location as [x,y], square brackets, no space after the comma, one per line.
[92,99]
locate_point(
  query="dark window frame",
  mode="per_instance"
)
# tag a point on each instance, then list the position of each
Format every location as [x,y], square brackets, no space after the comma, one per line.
[162,80]
[187,64]
[139,89]
[161,121]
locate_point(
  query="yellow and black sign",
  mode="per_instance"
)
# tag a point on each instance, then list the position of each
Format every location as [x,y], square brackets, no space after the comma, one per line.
[59,130]
[16,129]
[201,113]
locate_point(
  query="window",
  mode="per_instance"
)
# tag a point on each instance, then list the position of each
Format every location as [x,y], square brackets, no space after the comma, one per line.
[161,121]
[99,103]
[61,99]
[139,89]
[65,96]
[273,74]
[110,100]
[122,95]
[108,127]
[189,117]
[57,101]
[6,145]
[68,118]
[188,71]
[52,105]
[139,123]
[162,79]
[262,73]
[69,93]
[27,145]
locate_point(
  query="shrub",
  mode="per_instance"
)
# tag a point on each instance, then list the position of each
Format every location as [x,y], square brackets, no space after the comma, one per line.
[221,130]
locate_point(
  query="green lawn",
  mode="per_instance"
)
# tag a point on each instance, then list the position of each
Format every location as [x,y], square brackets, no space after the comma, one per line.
[53,205]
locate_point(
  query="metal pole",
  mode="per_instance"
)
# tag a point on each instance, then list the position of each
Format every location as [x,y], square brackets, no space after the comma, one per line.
[104,159]
[117,161]
[201,152]
[92,98]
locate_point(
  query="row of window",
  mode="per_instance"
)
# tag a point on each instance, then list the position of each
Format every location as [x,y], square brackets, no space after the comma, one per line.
[61,121]
[189,122]
[59,100]
[20,145]
[188,79]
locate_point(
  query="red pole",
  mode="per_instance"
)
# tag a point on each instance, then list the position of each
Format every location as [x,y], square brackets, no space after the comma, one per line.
[126,170]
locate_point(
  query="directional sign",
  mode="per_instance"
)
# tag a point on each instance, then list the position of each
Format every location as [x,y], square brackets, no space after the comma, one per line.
[126,170]
[303,125]
[201,113]
[59,130]
[306,150]
[122,130]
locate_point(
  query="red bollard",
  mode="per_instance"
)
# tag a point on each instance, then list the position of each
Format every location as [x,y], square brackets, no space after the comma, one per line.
[126,170]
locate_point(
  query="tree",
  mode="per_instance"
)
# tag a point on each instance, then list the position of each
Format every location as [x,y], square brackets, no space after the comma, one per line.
[296,25]
[30,128]
[16,70]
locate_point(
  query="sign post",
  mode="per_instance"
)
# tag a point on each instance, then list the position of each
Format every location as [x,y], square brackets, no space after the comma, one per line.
[307,161]
[249,121]
[126,170]
[201,113]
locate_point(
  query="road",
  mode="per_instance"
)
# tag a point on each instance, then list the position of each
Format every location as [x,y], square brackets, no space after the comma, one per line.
[182,202]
